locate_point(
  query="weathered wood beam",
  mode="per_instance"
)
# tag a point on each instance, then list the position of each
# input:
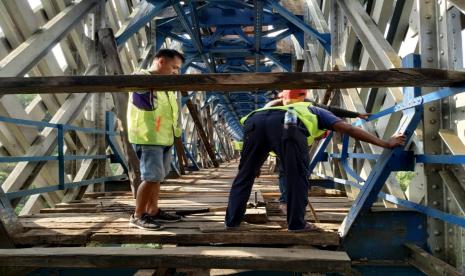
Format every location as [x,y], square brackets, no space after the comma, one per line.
[114,67]
[198,124]
[429,264]
[234,82]
[303,260]
[24,57]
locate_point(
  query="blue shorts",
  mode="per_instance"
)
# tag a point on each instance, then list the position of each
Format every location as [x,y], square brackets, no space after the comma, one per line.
[155,161]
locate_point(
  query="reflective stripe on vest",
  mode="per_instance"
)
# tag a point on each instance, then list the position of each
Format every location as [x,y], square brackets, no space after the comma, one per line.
[309,119]
[154,127]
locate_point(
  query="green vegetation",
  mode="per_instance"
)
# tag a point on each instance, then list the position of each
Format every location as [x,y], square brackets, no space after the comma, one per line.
[404,179]
[26,99]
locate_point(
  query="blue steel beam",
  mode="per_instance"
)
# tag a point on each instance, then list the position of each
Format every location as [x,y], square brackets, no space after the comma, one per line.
[258,6]
[146,10]
[324,39]
[379,174]
[188,28]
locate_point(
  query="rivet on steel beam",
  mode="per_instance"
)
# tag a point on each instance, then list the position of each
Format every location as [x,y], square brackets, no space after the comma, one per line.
[448,198]
[430,59]
[432,108]
[429,48]
[440,18]
[445,102]
[428,31]
[441,35]
[453,15]
[453,31]
[435,203]
[437,249]
[432,121]
[442,52]
[434,186]
[451,246]
[451,230]
[437,233]
[446,117]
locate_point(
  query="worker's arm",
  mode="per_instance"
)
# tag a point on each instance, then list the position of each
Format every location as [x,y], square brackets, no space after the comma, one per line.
[362,135]
[277,102]
[339,112]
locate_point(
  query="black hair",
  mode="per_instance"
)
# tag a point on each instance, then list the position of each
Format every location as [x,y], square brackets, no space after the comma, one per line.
[169,53]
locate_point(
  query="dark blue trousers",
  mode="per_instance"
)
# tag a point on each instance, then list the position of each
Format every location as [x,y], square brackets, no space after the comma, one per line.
[264,132]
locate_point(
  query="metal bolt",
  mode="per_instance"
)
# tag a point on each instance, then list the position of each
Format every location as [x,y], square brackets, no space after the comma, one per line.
[448,198]
[453,15]
[437,233]
[441,35]
[451,230]
[451,246]
[437,249]
[432,108]
[430,59]
[428,31]
[442,52]
[440,18]
[445,102]
[434,186]
[446,117]
[429,48]
[453,31]
[435,203]
[432,121]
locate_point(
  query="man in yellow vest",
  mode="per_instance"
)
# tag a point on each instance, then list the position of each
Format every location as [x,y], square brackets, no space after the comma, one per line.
[299,95]
[152,127]
[265,131]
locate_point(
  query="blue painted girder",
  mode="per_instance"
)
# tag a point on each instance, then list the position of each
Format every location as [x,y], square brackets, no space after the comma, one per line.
[217,36]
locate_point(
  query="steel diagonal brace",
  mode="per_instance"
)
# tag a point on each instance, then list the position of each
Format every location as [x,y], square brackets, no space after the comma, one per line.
[388,159]
[146,10]
[324,39]
[195,39]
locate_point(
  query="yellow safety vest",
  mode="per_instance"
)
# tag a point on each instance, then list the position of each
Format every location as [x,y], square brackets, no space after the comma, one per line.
[154,127]
[237,145]
[309,119]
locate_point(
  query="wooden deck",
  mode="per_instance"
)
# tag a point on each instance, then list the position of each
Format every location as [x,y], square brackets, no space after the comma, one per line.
[102,218]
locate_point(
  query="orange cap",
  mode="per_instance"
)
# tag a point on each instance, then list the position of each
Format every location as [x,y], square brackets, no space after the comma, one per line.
[293,94]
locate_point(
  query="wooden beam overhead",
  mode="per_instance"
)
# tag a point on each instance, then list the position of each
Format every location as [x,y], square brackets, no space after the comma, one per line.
[234,82]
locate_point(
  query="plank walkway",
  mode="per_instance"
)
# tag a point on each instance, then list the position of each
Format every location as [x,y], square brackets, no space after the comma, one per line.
[102,219]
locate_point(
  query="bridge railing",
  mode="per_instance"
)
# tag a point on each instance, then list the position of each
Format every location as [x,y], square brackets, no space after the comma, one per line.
[61,157]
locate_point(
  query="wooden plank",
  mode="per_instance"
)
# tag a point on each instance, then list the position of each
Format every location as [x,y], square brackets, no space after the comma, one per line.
[429,264]
[233,82]
[178,236]
[279,259]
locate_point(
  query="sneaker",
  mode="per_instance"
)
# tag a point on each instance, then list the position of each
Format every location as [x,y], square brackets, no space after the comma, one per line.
[163,216]
[145,223]
[308,228]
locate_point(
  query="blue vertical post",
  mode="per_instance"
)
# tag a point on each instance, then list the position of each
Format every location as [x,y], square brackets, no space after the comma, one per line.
[389,158]
[61,157]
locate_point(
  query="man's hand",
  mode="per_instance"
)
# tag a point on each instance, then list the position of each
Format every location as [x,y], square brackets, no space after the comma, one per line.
[364,116]
[396,140]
